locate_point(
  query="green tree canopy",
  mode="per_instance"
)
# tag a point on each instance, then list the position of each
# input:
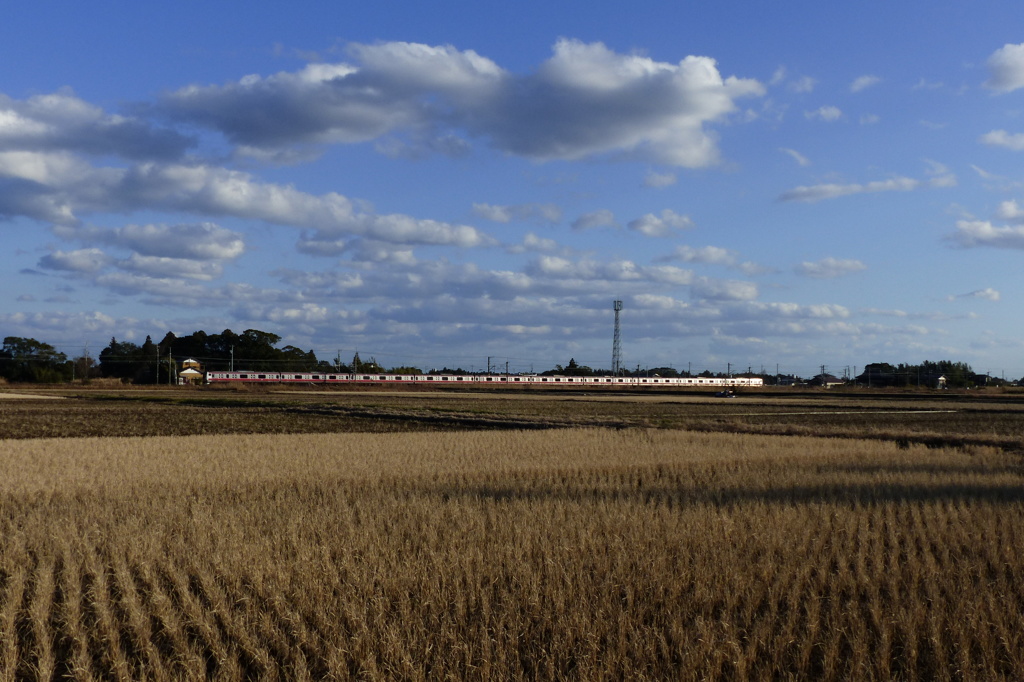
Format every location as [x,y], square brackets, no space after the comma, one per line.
[24,359]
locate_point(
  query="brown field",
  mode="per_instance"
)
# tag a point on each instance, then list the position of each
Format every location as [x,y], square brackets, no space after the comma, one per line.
[545,537]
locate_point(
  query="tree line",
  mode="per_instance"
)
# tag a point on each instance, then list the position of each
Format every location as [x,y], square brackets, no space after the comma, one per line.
[30,360]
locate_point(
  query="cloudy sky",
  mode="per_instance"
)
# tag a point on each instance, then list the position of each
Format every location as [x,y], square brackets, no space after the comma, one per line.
[762,185]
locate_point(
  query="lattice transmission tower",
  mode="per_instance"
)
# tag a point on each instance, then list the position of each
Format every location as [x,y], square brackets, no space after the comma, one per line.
[616,342]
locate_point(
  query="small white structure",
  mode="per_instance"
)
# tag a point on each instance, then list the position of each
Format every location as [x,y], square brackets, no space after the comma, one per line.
[189,376]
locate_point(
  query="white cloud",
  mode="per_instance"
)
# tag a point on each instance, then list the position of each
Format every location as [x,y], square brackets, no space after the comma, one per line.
[1006,68]
[712,255]
[661,225]
[659,180]
[812,193]
[802,84]
[62,122]
[972,233]
[549,213]
[585,94]
[869,119]
[828,268]
[160,267]
[600,218]
[311,246]
[723,290]
[201,241]
[1001,138]
[988,294]
[63,186]
[1010,210]
[825,113]
[532,242]
[587,270]
[81,261]
[796,156]
[863,83]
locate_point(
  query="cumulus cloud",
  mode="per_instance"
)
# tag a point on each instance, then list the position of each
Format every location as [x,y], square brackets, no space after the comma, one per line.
[1001,138]
[712,255]
[723,290]
[161,267]
[534,243]
[972,233]
[311,246]
[80,261]
[600,218]
[548,213]
[658,180]
[64,187]
[987,294]
[863,83]
[661,225]
[812,193]
[62,122]
[825,113]
[1011,211]
[198,241]
[1006,68]
[828,268]
[585,94]
[801,85]
[558,268]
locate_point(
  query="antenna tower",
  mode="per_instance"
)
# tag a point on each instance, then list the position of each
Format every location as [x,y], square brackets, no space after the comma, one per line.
[616,342]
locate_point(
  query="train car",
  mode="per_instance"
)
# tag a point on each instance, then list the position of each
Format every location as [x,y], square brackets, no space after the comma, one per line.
[243,376]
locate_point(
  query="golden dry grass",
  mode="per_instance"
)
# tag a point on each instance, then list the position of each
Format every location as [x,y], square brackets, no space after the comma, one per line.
[574,554]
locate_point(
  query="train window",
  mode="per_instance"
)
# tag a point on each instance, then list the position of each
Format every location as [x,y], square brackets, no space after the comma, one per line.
[516,379]
[262,376]
[503,379]
[383,378]
[490,379]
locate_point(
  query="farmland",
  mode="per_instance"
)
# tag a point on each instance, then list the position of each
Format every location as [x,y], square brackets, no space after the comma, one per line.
[174,535]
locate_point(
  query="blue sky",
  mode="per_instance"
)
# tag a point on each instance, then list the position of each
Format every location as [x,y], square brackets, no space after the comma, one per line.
[763,185]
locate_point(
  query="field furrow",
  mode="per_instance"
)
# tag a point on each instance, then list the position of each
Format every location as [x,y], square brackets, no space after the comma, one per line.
[572,555]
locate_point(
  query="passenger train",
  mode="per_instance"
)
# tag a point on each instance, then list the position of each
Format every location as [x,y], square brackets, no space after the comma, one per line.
[242,376]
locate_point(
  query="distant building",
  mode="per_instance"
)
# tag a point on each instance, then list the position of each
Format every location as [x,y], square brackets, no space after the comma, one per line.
[826,381]
[191,373]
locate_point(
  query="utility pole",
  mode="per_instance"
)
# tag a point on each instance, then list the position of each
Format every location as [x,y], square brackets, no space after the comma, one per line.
[617,342]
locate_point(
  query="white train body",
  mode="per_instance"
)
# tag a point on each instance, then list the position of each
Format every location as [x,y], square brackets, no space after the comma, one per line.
[450,379]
